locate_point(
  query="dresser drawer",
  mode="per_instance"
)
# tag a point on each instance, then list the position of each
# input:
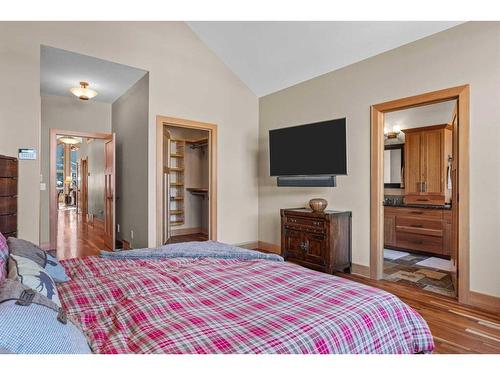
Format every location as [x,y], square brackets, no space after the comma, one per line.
[8,205]
[8,186]
[8,223]
[8,168]
[419,242]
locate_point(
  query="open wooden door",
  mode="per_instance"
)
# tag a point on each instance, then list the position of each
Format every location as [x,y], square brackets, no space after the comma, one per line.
[109,193]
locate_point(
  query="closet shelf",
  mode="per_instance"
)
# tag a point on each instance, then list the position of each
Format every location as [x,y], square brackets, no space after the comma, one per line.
[176,155]
[176,184]
[176,222]
[174,169]
[176,198]
[197,190]
[176,212]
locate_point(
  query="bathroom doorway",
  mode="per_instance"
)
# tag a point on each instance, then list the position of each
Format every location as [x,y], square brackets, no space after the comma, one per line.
[418,186]
[427,184]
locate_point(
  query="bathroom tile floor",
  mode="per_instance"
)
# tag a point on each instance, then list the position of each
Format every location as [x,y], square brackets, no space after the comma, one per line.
[405,270]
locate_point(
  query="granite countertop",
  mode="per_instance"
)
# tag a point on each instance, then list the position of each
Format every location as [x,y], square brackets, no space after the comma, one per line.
[429,207]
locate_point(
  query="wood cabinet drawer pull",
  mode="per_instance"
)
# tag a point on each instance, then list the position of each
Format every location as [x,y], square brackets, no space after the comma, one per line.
[416,212]
[417,226]
[422,200]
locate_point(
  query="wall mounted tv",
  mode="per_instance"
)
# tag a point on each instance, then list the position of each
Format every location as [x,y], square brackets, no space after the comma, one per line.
[309,150]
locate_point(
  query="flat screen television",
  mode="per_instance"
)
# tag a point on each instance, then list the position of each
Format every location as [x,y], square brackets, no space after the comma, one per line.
[309,150]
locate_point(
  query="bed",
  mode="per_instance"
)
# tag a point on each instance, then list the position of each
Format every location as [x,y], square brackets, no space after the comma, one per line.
[212,304]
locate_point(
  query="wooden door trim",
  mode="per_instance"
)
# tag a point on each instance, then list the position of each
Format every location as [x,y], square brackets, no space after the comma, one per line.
[212,130]
[113,185]
[461,94]
[52,174]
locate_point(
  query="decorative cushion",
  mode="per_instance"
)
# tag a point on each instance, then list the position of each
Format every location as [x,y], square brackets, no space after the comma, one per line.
[32,324]
[4,256]
[29,250]
[33,276]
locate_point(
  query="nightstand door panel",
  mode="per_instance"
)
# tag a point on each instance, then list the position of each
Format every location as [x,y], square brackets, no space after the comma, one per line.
[315,248]
[294,244]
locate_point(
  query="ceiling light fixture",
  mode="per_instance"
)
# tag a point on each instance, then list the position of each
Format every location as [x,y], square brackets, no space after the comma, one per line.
[83,92]
[392,134]
[69,140]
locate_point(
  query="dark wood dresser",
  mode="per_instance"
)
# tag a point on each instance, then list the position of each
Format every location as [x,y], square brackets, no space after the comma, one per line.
[8,196]
[320,241]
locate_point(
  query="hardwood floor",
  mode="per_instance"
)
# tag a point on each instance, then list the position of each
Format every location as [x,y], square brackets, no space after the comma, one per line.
[76,238]
[456,328]
[188,238]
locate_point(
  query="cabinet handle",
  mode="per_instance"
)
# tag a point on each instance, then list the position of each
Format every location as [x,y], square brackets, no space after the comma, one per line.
[416,212]
[416,225]
[418,242]
[422,200]
[424,186]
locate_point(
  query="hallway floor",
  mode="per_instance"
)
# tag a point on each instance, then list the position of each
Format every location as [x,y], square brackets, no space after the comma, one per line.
[188,238]
[76,238]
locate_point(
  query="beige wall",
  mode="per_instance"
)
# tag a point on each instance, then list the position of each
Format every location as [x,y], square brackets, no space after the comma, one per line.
[57,112]
[130,123]
[469,53]
[186,80]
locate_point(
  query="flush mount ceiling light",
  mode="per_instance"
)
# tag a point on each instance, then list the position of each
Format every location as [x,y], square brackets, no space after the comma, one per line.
[392,134]
[69,140]
[83,92]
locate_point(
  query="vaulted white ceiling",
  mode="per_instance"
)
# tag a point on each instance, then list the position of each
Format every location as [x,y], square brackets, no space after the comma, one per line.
[270,56]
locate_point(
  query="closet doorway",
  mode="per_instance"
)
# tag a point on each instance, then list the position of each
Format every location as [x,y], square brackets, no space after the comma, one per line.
[186,180]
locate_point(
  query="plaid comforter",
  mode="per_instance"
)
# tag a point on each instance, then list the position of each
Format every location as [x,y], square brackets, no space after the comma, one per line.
[211,305]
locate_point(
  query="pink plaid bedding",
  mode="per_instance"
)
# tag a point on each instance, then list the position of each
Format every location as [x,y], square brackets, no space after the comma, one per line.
[233,306]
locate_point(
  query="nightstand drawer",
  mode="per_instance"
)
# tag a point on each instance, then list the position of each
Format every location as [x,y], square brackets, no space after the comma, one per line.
[301,221]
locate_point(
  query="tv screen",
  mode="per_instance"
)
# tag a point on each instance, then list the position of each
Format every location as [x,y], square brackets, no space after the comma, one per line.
[309,150]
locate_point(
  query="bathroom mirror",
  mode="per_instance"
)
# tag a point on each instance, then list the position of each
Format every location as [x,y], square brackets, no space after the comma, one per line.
[393,166]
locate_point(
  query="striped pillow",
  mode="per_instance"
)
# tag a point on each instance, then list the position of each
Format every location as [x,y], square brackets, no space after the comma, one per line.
[4,256]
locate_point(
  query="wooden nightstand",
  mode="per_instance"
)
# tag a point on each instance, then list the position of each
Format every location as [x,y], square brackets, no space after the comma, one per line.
[320,241]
